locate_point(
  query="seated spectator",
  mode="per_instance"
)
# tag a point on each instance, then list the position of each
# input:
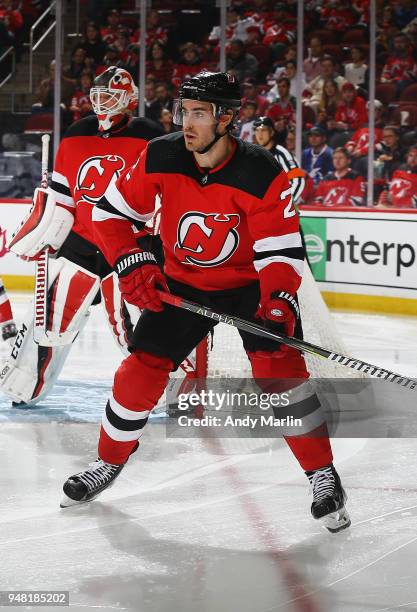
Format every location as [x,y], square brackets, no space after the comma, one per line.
[284,107]
[329,101]
[337,16]
[290,72]
[109,33]
[243,65]
[311,65]
[402,188]
[111,58]
[280,68]
[236,26]
[163,95]
[308,190]
[152,106]
[12,19]
[94,47]
[280,30]
[154,31]
[351,114]
[76,66]
[189,64]
[45,93]
[166,121]
[359,143]
[245,124]
[80,102]
[128,52]
[317,159]
[250,94]
[343,187]
[400,67]
[356,70]
[158,65]
[388,153]
[314,89]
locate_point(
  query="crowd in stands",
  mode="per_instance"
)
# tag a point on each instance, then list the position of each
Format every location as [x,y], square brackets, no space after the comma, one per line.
[261,52]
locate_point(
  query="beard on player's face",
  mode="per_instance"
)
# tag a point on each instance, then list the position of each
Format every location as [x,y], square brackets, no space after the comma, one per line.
[196,139]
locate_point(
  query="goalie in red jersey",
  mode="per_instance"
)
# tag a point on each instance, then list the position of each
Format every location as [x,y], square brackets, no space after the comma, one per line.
[91,156]
[231,241]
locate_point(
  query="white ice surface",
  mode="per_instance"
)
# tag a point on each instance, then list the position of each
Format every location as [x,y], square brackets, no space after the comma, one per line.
[201,525]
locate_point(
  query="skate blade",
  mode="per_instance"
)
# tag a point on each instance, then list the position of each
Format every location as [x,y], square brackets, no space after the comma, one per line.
[67,502]
[337,521]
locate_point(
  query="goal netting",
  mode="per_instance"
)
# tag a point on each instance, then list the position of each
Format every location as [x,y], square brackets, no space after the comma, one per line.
[227,358]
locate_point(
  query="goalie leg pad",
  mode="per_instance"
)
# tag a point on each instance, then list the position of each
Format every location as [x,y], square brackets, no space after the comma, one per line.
[31,370]
[121,317]
[46,225]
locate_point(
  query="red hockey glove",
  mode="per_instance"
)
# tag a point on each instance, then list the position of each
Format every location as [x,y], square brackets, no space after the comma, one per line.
[139,277]
[282,308]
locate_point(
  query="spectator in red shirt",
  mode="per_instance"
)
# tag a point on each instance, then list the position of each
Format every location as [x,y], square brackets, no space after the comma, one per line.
[351,114]
[109,33]
[250,94]
[359,144]
[400,67]
[80,102]
[284,107]
[402,188]
[189,64]
[343,187]
[153,30]
[158,65]
[338,15]
[11,17]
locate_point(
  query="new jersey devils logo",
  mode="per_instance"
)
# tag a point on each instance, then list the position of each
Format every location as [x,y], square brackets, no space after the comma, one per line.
[206,239]
[95,175]
[400,188]
[3,242]
[336,195]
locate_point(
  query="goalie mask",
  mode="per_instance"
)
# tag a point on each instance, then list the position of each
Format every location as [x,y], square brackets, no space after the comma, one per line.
[113,94]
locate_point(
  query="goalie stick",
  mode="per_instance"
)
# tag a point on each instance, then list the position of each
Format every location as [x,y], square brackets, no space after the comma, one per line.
[301,345]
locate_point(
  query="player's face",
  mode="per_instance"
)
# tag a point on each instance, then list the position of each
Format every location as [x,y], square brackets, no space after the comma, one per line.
[263,135]
[199,124]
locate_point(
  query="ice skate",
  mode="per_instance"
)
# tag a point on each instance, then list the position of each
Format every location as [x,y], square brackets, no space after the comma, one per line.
[85,486]
[329,499]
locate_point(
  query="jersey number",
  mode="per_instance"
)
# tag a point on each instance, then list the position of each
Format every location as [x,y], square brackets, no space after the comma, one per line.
[289,210]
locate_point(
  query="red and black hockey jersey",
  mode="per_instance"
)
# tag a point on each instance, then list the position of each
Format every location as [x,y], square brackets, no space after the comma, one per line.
[403,188]
[219,227]
[88,161]
[346,191]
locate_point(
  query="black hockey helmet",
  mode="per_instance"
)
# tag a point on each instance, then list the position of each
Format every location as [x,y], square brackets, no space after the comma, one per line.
[265,121]
[220,88]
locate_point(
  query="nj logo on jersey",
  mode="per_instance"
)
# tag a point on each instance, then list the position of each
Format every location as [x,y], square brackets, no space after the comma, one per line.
[336,196]
[206,239]
[95,175]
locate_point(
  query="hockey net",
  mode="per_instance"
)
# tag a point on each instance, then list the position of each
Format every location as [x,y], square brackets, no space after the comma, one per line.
[227,359]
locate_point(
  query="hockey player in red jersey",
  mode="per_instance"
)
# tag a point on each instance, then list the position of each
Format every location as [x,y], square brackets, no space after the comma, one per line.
[92,155]
[231,241]
[7,325]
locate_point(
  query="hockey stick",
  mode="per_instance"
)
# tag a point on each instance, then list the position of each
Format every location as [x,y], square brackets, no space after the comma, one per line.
[41,275]
[306,347]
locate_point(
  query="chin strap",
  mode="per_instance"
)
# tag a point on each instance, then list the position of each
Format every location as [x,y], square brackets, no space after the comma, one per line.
[213,142]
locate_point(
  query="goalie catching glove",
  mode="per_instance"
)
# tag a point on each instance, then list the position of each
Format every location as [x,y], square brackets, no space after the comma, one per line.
[139,278]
